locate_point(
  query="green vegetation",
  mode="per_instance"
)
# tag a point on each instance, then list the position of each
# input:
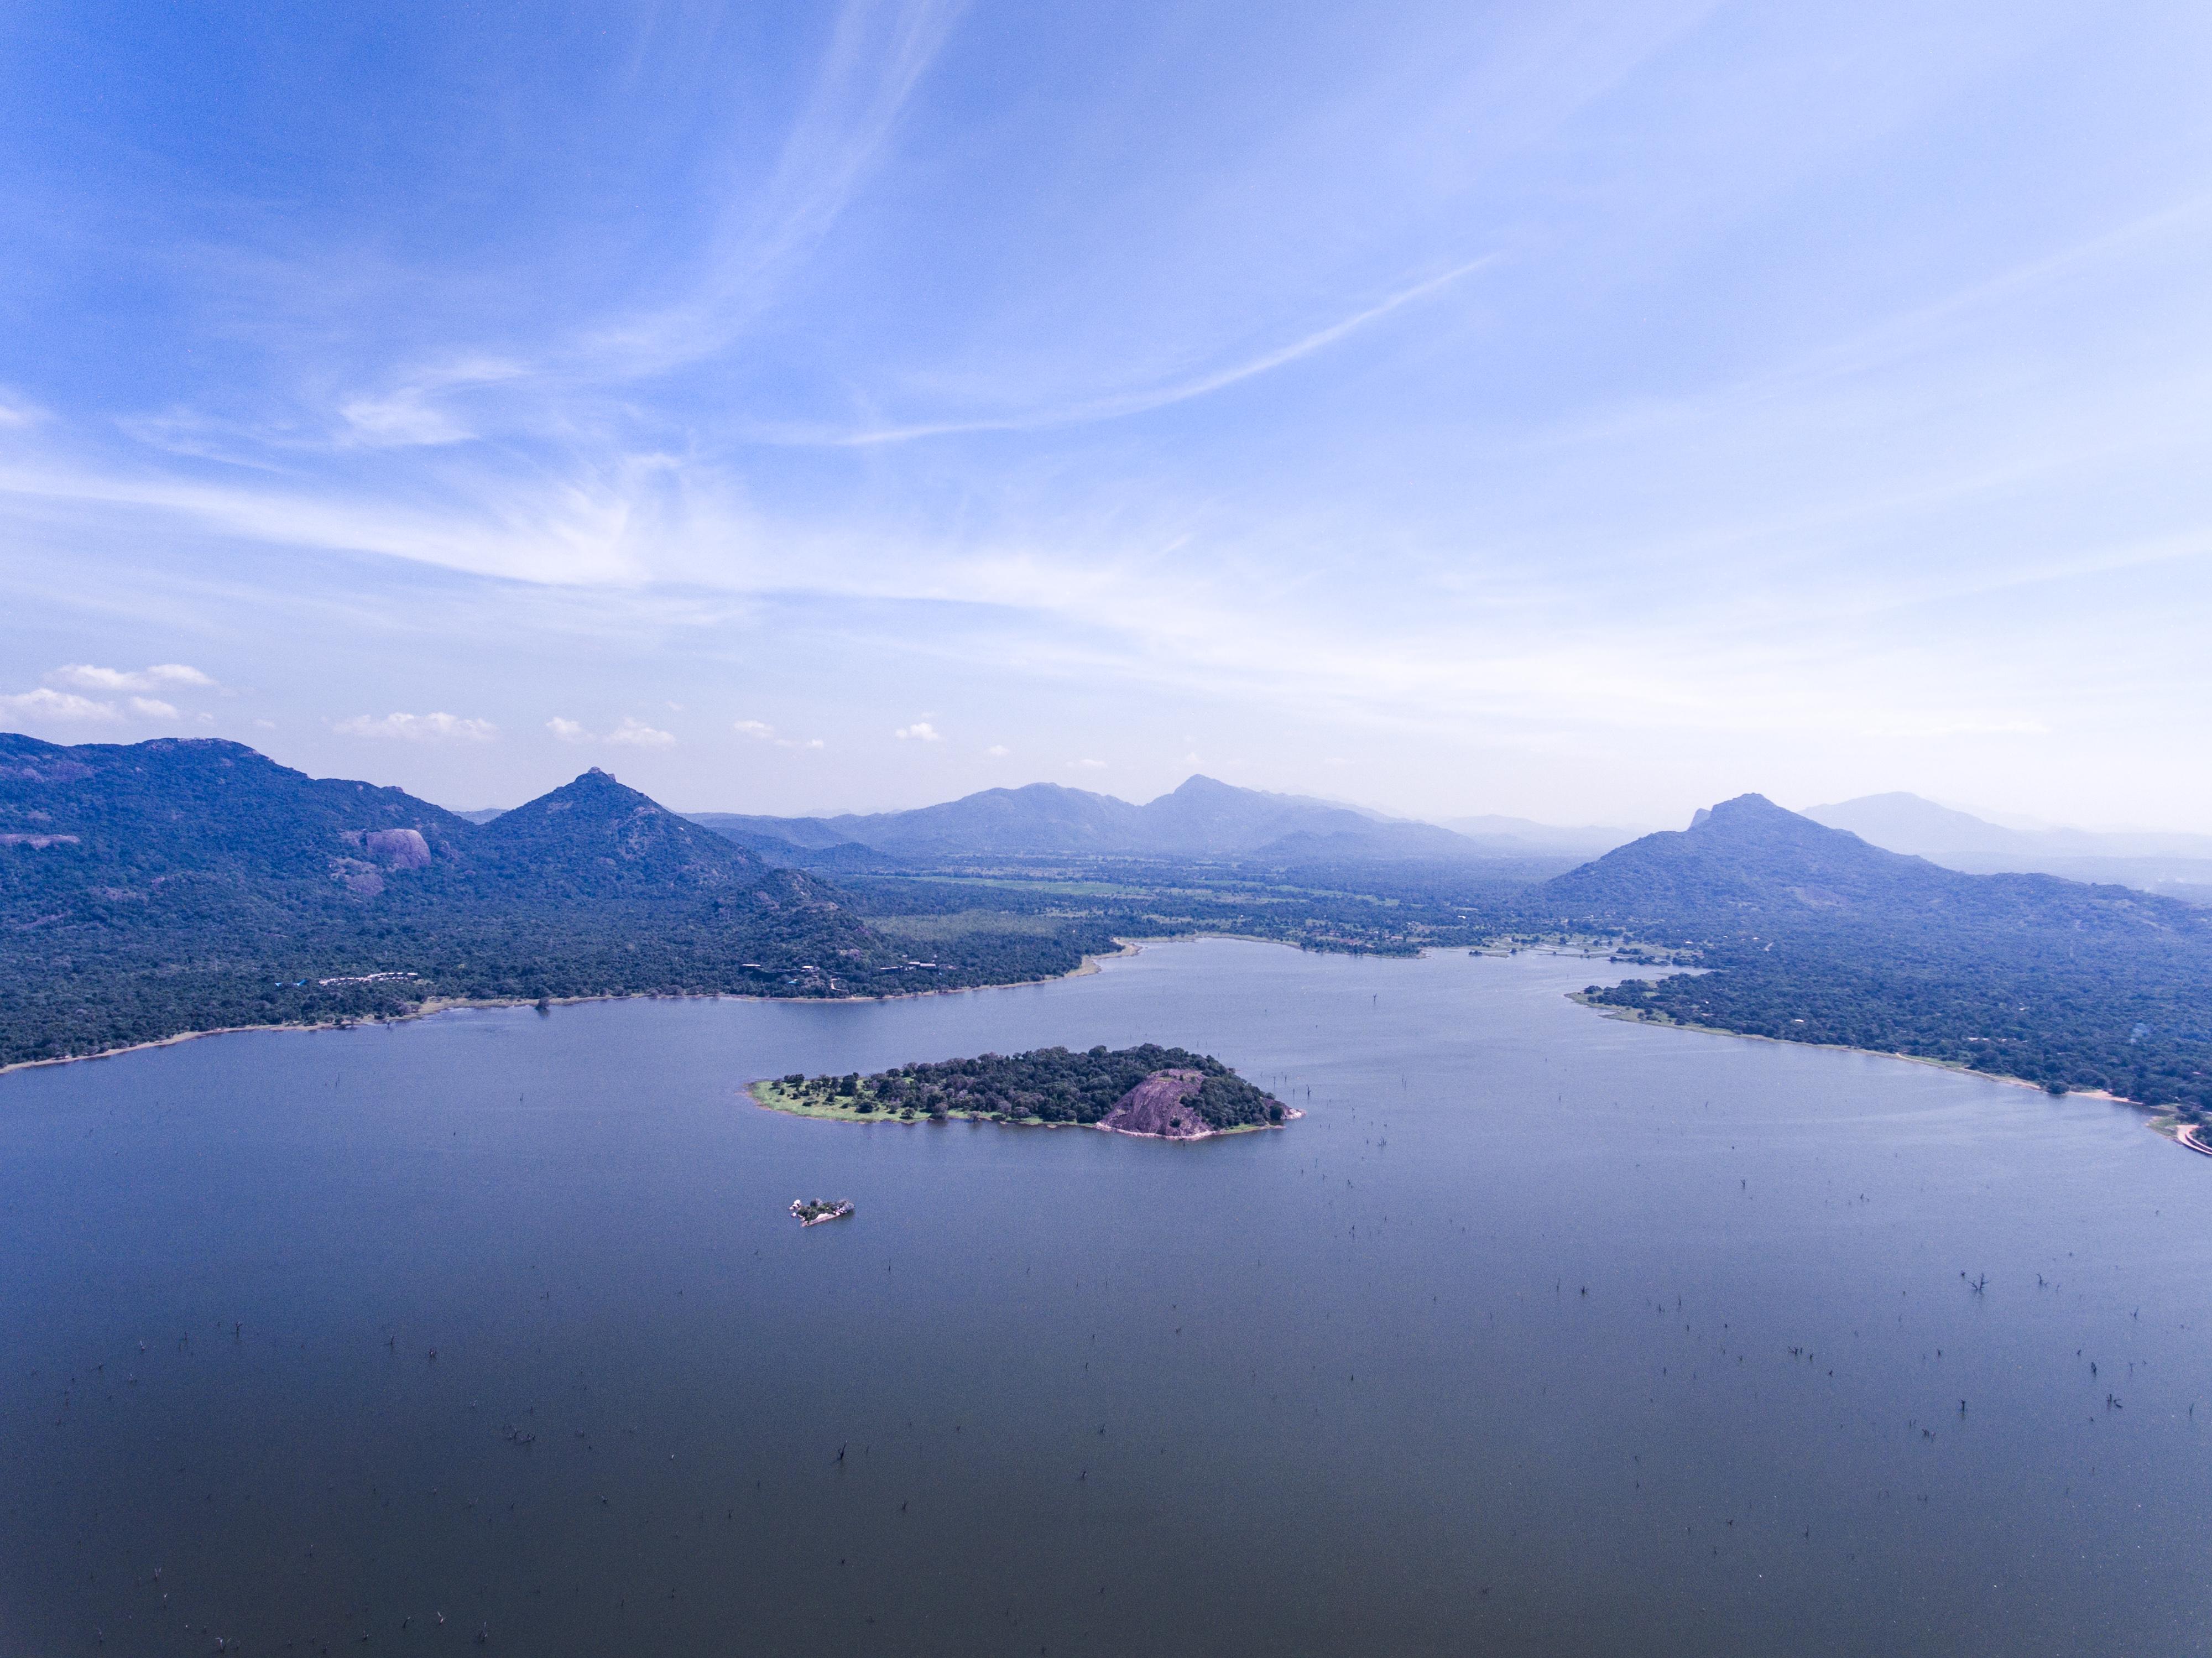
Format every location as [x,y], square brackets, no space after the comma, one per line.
[1808,934]
[174,886]
[1050,1085]
[1394,909]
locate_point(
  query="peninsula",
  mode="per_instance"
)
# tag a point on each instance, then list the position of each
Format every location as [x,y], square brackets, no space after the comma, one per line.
[1160,1093]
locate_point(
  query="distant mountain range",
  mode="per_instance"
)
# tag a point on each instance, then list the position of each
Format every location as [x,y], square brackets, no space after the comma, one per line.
[1202,819]
[1815,935]
[1533,839]
[2179,866]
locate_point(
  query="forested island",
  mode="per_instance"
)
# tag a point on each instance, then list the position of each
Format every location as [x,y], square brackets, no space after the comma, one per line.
[1164,1093]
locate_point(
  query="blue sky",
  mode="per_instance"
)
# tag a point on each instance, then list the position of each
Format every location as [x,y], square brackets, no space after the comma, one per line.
[1582,411]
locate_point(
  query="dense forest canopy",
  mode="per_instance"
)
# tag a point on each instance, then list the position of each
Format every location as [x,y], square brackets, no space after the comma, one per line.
[171,886]
[1811,935]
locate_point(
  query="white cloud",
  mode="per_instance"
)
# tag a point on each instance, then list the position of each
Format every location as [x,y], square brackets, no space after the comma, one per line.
[920,731]
[765,732]
[997,751]
[1092,765]
[420,727]
[86,678]
[567,730]
[152,707]
[636,734]
[45,704]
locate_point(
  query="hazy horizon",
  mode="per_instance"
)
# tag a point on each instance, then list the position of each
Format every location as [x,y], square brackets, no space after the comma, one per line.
[1582,416]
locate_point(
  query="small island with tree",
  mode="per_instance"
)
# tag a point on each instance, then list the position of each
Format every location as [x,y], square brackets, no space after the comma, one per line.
[1161,1093]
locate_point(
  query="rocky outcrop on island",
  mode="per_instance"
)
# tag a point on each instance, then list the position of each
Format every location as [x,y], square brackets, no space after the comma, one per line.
[1162,1106]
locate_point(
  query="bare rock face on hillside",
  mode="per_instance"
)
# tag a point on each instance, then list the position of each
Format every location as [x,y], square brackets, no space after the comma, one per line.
[1160,1106]
[399,848]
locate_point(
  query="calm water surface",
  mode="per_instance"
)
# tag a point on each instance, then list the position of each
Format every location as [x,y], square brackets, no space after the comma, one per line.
[1540,1333]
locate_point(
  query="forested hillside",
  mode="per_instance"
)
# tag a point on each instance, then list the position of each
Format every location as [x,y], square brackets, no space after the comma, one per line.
[180,885]
[1812,935]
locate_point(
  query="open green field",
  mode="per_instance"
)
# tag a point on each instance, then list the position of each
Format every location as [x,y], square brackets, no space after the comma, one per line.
[965,923]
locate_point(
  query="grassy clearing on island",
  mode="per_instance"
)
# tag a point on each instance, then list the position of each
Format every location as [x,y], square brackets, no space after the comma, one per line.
[842,1107]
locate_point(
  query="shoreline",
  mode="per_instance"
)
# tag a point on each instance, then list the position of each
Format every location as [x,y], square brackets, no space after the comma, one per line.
[434,1005]
[1131,945]
[2162,1118]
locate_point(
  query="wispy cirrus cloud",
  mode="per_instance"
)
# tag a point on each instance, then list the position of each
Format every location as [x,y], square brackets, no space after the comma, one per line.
[1146,399]
[876,56]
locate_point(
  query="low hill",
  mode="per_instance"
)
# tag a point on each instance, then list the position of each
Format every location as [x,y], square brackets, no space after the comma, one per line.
[1815,936]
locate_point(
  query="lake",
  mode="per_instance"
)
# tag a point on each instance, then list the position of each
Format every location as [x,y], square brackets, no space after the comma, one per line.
[1541,1332]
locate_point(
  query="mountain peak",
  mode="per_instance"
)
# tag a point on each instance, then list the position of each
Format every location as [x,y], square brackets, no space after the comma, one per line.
[1741,811]
[1746,852]
[597,789]
[597,834]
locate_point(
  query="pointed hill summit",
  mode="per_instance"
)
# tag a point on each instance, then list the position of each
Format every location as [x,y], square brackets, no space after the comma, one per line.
[1748,864]
[595,837]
